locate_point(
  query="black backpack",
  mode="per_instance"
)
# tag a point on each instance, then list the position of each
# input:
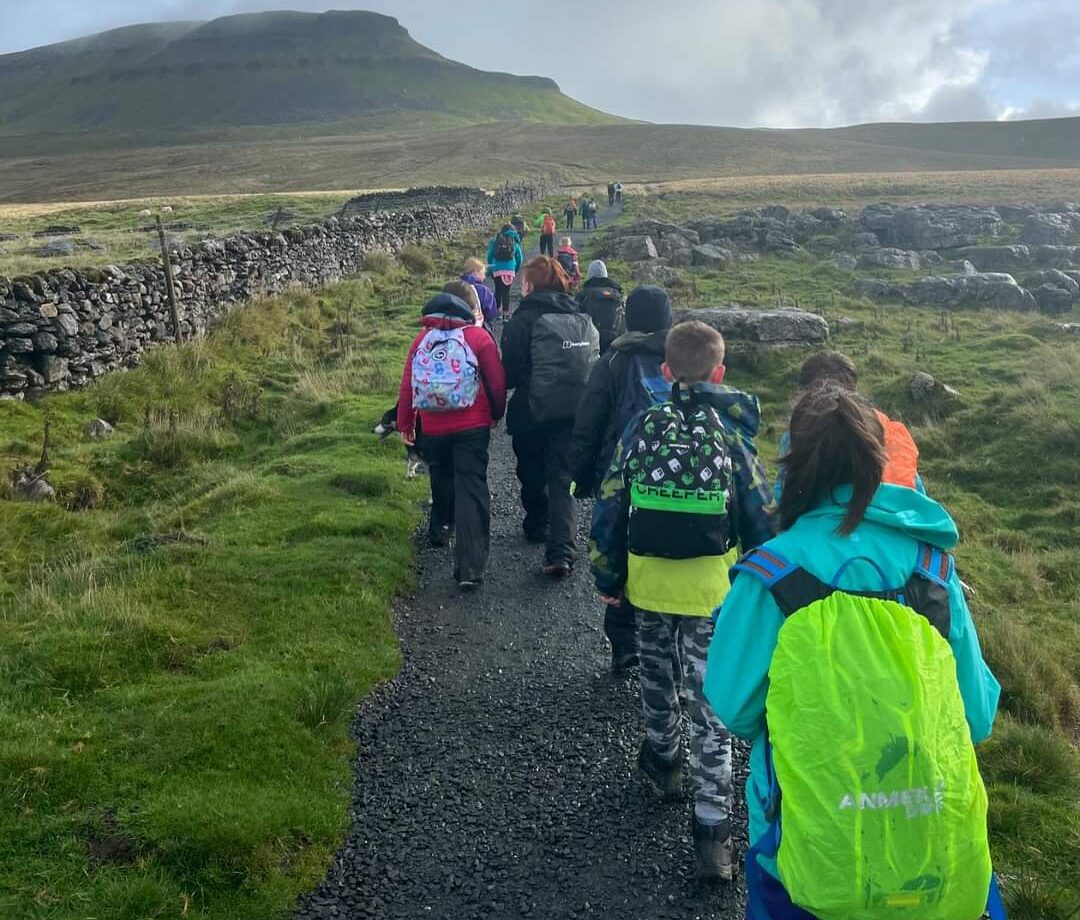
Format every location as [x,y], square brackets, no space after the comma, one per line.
[681,479]
[605,306]
[566,260]
[563,349]
[505,248]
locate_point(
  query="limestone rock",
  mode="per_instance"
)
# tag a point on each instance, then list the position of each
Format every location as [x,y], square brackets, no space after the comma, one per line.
[1053,299]
[889,258]
[99,429]
[710,256]
[772,328]
[1047,228]
[998,258]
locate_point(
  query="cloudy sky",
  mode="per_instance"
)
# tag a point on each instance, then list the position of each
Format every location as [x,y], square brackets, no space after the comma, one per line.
[773,63]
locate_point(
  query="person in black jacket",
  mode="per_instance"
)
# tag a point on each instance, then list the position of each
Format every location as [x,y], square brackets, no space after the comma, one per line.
[542,448]
[601,297]
[624,382]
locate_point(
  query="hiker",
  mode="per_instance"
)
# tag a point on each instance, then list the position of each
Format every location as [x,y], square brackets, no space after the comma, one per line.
[684,490]
[504,258]
[611,194]
[518,223]
[570,213]
[591,221]
[475,272]
[864,731]
[454,385]
[585,213]
[547,235]
[902,466]
[618,192]
[601,298]
[567,257]
[623,384]
[549,347]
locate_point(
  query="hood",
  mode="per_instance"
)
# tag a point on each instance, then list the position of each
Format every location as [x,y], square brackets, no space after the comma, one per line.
[602,283]
[902,509]
[472,279]
[740,409]
[642,343]
[445,311]
[549,302]
[513,234]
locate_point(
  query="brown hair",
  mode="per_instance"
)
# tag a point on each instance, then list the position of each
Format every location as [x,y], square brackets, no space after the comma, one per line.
[829,365]
[475,267]
[694,351]
[836,440]
[546,274]
[465,291]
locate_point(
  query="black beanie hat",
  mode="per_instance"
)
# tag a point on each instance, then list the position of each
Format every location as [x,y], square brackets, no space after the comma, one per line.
[648,309]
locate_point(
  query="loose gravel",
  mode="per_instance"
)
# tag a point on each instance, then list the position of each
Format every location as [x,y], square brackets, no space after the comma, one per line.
[495,776]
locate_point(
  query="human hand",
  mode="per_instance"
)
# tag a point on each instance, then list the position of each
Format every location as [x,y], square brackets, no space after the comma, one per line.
[408,438]
[611,601]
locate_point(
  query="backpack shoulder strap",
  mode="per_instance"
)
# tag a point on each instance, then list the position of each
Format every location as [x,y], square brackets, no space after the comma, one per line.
[927,591]
[791,586]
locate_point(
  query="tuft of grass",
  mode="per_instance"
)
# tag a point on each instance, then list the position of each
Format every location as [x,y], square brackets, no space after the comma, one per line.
[378,262]
[327,700]
[417,260]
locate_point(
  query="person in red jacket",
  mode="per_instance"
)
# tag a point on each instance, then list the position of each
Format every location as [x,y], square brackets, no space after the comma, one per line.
[455,386]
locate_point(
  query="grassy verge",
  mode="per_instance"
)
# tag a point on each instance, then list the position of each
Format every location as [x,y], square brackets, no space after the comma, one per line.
[1003,459]
[184,635]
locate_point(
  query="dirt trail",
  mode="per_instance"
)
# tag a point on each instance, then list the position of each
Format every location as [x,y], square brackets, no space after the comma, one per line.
[496,775]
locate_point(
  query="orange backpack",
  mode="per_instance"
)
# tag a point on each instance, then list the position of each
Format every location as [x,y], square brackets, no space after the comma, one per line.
[549,226]
[902,467]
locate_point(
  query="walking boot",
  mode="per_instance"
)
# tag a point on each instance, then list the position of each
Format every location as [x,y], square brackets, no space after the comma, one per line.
[664,777]
[713,851]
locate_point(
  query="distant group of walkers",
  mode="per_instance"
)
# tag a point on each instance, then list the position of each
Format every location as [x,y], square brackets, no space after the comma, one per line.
[822,619]
[586,208]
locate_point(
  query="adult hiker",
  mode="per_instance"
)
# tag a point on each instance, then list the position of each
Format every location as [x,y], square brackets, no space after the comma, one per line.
[475,273]
[845,650]
[601,297]
[547,235]
[585,213]
[454,385]
[570,213]
[624,383]
[518,223]
[901,451]
[618,192]
[504,258]
[567,257]
[549,347]
[683,492]
[610,194]
[590,222]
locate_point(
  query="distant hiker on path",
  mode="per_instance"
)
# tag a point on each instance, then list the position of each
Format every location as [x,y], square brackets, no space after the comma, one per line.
[590,222]
[518,223]
[845,650]
[585,213]
[567,257]
[623,384]
[570,213]
[454,384]
[684,491]
[618,192]
[475,273]
[611,194]
[548,229]
[602,299]
[505,258]
[549,347]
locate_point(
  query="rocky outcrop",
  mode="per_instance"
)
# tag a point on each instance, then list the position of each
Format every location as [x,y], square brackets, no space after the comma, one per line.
[768,328]
[996,290]
[65,328]
[889,258]
[929,226]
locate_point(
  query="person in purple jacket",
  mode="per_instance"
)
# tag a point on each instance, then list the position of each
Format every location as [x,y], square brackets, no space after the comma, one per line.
[475,273]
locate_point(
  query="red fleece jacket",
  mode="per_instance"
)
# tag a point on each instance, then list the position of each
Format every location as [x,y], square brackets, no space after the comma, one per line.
[490,405]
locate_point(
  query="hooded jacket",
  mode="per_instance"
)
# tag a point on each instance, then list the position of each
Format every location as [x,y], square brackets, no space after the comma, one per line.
[687,587]
[598,424]
[445,311]
[589,301]
[506,265]
[488,305]
[517,352]
[749,622]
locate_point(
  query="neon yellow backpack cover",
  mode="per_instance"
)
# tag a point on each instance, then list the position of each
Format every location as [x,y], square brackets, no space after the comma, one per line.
[882,809]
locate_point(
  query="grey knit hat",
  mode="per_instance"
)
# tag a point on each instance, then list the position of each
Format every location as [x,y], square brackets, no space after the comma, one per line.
[596,269]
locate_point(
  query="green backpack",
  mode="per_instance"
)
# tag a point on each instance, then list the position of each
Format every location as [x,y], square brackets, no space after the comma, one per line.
[878,806]
[680,480]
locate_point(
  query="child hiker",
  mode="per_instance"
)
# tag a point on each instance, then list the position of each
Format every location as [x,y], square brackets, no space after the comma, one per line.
[684,491]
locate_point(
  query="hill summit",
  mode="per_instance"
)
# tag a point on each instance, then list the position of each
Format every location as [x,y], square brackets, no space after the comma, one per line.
[260,69]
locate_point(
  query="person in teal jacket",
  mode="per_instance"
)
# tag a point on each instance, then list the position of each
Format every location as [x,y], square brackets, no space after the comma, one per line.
[503,270]
[889,524]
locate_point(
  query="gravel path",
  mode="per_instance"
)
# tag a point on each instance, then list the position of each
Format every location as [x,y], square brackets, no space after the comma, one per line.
[496,774]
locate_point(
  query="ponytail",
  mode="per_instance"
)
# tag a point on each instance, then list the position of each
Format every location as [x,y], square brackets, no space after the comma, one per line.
[836,440]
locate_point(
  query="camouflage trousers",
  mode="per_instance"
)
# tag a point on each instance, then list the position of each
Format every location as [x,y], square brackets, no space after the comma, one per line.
[664,642]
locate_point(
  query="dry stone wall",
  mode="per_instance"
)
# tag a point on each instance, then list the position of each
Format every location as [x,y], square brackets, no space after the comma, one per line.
[63,329]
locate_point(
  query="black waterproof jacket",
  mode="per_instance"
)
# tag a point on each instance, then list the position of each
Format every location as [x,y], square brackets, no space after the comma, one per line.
[517,353]
[596,423]
[608,321]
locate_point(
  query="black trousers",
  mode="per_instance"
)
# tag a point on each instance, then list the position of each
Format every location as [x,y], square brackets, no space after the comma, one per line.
[543,468]
[502,294]
[547,244]
[620,627]
[570,222]
[460,498]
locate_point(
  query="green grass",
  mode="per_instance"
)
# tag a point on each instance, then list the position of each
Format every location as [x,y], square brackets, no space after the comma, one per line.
[1004,461]
[178,665]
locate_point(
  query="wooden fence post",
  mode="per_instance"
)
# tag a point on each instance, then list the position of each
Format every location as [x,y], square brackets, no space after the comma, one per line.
[170,288]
